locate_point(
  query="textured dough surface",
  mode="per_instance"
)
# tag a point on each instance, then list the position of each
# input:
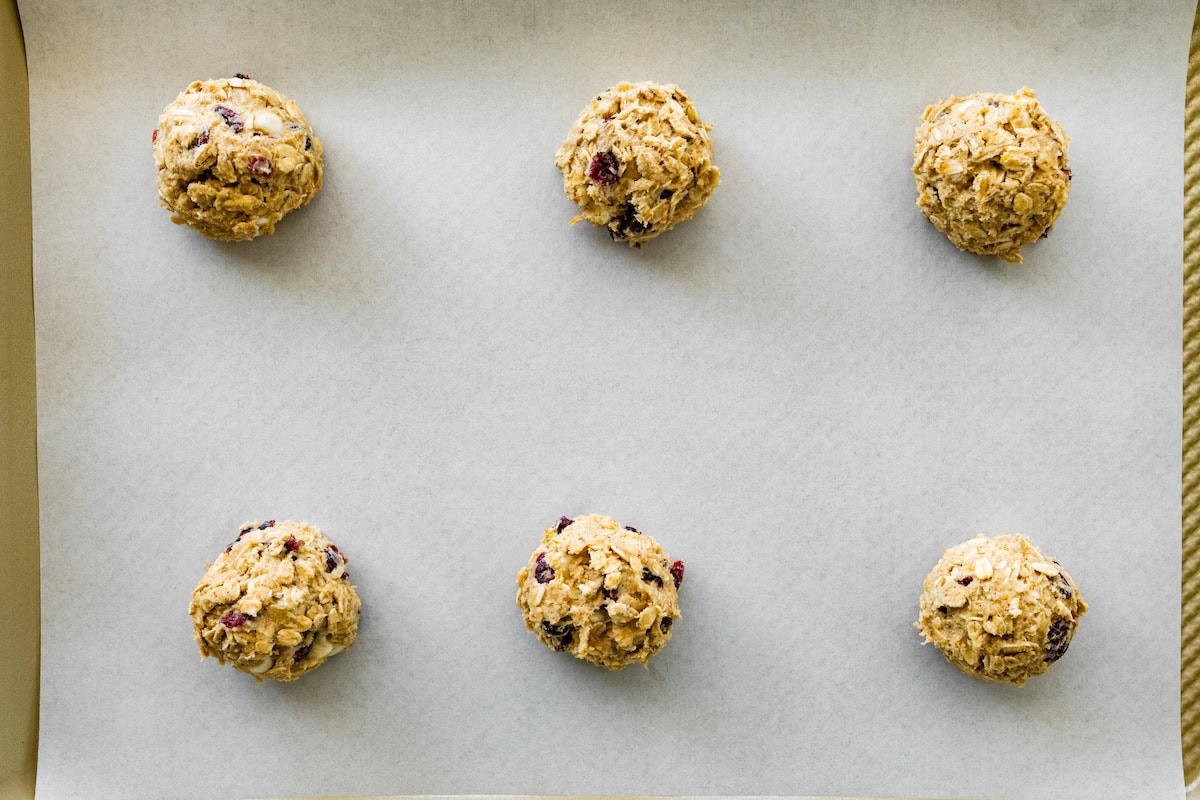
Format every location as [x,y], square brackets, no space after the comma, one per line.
[999,609]
[277,603]
[601,592]
[991,171]
[233,157]
[638,161]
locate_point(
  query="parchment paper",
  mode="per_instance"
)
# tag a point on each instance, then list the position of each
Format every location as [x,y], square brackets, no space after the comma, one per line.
[806,393]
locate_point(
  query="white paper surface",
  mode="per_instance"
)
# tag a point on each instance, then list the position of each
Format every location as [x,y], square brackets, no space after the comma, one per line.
[806,393]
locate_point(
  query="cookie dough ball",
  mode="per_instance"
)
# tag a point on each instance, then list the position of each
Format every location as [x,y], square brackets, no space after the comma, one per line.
[601,592]
[638,161]
[999,609]
[277,602]
[991,171]
[233,157]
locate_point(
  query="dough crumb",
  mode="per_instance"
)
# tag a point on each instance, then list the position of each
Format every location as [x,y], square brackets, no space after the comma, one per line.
[999,609]
[277,603]
[233,157]
[602,592]
[638,161]
[991,171]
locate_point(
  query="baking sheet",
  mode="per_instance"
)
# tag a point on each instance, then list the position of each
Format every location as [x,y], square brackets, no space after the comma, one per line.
[805,393]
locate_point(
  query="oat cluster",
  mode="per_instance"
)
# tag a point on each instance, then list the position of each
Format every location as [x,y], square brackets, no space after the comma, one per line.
[999,609]
[277,603]
[991,171]
[601,592]
[234,156]
[638,161]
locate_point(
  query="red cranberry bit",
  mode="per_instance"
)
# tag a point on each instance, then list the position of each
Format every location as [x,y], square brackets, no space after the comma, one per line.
[666,623]
[1067,172]
[259,165]
[202,139]
[611,594]
[330,560]
[301,653]
[231,118]
[543,572]
[154,136]
[650,577]
[965,580]
[677,573]
[292,544]
[562,523]
[234,619]
[268,524]
[603,169]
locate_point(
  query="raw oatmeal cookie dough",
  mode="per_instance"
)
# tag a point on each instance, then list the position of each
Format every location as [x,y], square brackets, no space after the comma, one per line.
[638,161]
[233,157]
[991,171]
[602,592]
[999,609]
[277,603]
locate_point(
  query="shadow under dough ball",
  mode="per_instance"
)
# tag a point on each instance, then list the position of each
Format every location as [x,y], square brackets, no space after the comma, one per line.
[999,609]
[638,161]
[601,592]
[233,157]
[991,171]
[277,603]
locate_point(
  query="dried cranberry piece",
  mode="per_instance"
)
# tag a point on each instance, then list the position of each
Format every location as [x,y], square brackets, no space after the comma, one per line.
[1067,172]
[551,629]
[965,580]
[234,619]
[259,165]
[543,572]
[301,653]
[666,623]
[242,75]
[154,136]
[628,223]
[562,523]
[677,573]
[268,524]
[202,139]
[650,577]
[292,544]
[330,560]
[631,528]
[603,169]
[231,118]
[1058,639]
[611,594]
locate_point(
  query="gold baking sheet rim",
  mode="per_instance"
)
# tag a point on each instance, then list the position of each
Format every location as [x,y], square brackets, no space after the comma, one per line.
[19,590]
